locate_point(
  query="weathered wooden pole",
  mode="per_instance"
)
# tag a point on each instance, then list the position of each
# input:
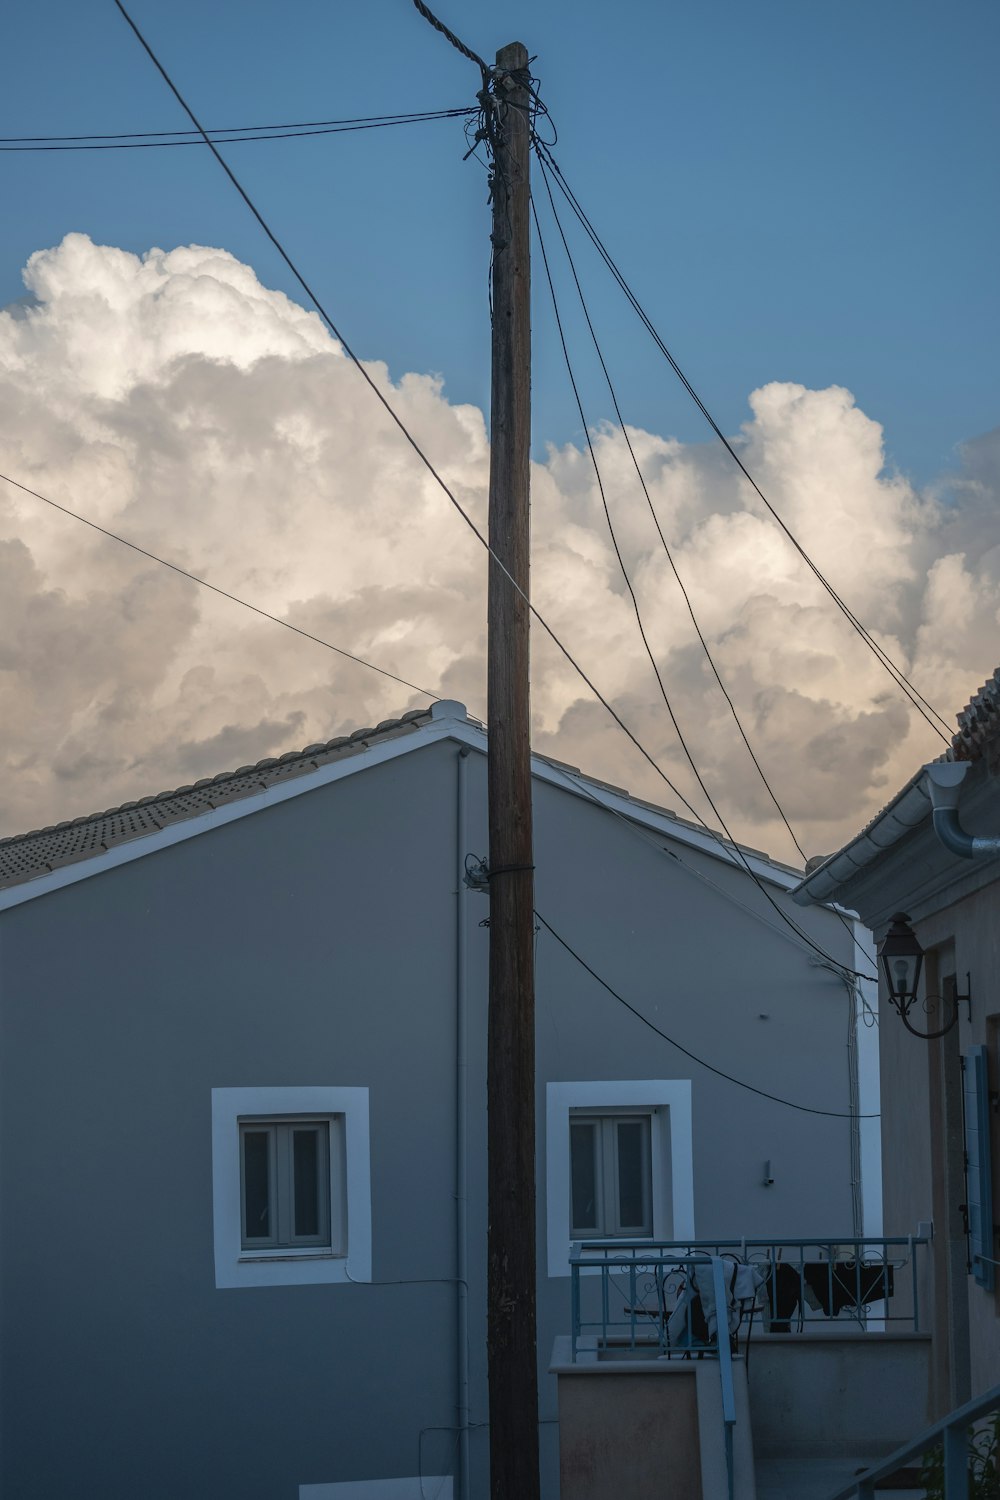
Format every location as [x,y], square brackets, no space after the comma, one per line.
[510,1086]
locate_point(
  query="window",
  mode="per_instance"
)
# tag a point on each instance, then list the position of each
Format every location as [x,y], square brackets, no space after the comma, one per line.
[285,1185]
[291,1186]
[611,1189]
[618,1163]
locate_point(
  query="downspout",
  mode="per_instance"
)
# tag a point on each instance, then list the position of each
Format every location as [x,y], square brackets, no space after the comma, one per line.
[869,1085]
[944,786]
[461,1136]
[854,1004]
[854,1105]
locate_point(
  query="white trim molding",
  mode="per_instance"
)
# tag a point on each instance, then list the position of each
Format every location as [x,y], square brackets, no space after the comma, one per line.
[420,1487]
[233,1266]
[669,1102]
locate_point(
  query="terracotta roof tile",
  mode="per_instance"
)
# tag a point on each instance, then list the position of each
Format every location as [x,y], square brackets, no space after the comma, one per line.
[26,856]
[979,722]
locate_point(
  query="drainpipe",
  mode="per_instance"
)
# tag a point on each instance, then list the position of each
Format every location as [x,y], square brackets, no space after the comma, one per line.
[944,786]
[461,1136]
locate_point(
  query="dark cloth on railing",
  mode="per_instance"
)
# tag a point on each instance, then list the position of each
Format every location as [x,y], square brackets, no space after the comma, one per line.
[834,1287]
[849,1284]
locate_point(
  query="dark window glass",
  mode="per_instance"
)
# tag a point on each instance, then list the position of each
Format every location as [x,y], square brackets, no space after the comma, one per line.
[583,1159]
[256,1185]
[631,1178]
[305,1154]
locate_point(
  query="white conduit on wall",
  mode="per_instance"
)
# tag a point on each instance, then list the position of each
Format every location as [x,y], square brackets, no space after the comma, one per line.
[461,1134]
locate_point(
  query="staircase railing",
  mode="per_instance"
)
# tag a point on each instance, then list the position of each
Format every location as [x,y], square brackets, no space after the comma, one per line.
[951,1434]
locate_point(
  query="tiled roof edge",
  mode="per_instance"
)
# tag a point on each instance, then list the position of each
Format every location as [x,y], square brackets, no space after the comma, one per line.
[268,763]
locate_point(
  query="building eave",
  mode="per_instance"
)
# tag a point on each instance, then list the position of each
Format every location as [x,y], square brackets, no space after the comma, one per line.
[907,810]
[447,721]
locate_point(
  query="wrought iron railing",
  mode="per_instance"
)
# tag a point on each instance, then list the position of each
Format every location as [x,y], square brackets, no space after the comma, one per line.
[697,1324]
[628,1293]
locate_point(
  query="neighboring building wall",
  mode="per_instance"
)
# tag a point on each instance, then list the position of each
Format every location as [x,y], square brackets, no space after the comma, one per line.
[314,944]
[967,937]
[954,905]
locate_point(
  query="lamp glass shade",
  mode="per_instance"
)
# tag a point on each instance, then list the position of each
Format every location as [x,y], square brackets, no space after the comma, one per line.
[901,957]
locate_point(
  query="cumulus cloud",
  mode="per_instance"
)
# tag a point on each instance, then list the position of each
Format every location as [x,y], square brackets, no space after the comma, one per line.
[174,399]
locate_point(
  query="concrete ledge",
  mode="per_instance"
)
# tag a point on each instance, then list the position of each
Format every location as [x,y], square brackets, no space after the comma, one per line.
[619,1360]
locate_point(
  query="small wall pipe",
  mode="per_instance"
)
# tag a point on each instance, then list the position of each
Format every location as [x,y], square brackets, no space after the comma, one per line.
[944,786]
[461,1131]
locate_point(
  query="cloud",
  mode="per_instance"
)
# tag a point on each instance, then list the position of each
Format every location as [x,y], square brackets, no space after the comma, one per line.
[174,399]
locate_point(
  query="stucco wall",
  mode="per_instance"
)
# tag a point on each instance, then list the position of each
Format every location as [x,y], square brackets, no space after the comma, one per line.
[629,1434]
[310,943]
[315,942]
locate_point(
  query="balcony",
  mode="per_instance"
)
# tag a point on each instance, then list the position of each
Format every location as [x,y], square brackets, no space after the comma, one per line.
[823,1371]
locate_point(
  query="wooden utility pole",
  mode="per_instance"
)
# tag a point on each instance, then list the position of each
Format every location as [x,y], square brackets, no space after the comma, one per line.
[510,1083]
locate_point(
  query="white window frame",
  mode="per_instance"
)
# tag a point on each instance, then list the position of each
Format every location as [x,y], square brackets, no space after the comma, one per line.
[668,1102]
[349,1257]
[331,1235]
[606,1171]
[420,1487]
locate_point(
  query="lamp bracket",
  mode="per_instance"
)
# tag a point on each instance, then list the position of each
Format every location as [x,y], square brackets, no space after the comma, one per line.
[956,999]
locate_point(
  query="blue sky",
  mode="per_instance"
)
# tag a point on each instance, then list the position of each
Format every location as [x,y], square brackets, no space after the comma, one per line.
[797,191]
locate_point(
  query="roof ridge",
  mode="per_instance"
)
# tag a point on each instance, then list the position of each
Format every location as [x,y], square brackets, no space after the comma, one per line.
[222,778]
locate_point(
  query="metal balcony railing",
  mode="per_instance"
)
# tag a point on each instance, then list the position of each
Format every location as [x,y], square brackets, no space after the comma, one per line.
[698,1324]
[641,1294]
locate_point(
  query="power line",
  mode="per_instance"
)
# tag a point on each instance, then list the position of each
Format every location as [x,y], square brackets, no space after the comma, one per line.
[656,520]
[386,404]
[411,440]
[806,1109]
[459,45]
[918,701]
[659,530]
[614,539]
[655,840]
[155,139]
[235,599]
[645,640]
[130,135]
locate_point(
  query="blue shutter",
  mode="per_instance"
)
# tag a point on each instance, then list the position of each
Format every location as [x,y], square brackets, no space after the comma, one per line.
[978,1169]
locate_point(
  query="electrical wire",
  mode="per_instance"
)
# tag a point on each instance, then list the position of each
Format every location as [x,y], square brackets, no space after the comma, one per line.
[611,529]
[656,520]
[652,510]
[642,631]
[217,130]
[390,410]
[919,702]
[149,140]
[450,36]
[234,598]
[806,1109]
[410,439]
[655,841]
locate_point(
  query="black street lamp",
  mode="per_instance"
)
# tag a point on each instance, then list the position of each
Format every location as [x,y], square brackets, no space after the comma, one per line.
[902,959]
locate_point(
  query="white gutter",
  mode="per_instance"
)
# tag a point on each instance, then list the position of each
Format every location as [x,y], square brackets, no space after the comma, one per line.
[944,786]
[907,809]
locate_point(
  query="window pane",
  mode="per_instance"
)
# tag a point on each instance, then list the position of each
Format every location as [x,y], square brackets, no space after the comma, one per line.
[583,1158]
[631,1174]
[305,1154]
[256,1187]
